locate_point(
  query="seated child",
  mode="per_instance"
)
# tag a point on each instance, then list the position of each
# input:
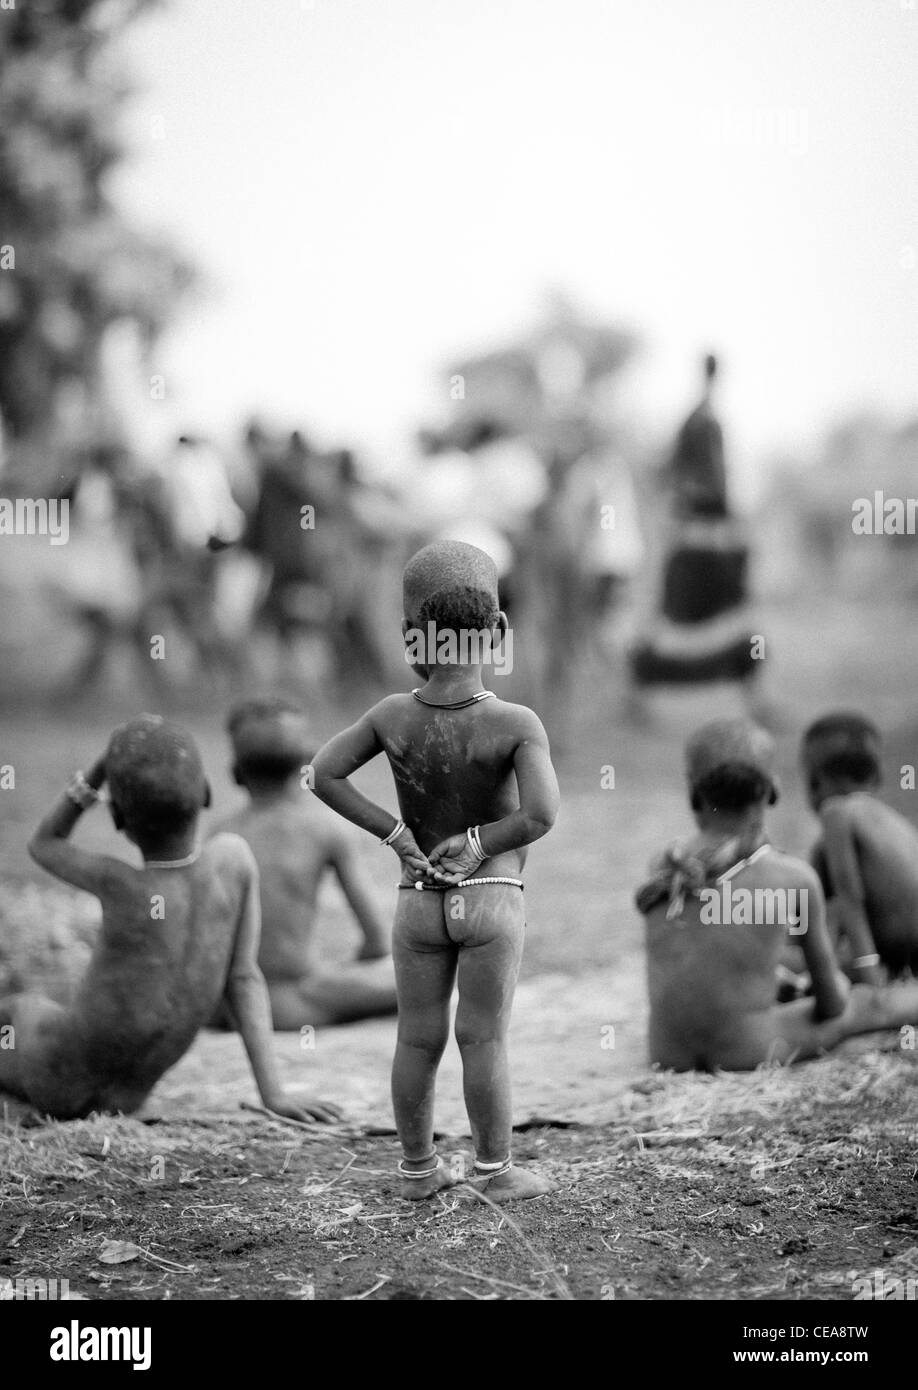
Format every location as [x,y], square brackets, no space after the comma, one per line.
[295,840]
[867,857]
[177,933]
[719,911]
[475,786]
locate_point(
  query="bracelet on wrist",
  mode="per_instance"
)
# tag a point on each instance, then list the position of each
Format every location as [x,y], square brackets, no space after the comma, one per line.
[81,793]
[473,838]
[397,830]
[864,962]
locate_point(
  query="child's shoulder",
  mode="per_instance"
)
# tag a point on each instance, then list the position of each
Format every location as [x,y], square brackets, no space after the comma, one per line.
[390,706]
[779,867]
[872,822]
[230,823]
[845,802]
[226,847]
[855,808]
[520,718]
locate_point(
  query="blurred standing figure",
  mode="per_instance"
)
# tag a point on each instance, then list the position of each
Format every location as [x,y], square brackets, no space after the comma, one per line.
[606,533]
[97,582]
[299,530]
[556,587]
[698,472]
[366,578]
[702,629]
[480,485]
[193,514]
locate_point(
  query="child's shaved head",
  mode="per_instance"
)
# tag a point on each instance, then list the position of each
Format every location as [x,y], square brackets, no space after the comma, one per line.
[271,739]
[730,765]
[155,777]
[842,745]
[453,585]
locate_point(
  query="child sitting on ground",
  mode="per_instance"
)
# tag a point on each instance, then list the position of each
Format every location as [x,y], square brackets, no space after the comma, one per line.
[177,933]
[475,786]
[295,840]
[719,912]
[867,858]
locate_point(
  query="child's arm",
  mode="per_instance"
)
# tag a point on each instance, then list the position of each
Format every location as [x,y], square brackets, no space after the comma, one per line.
[847,889]
[453,859]
[358,890]
[50,846]
[333,765]
[830,987]
[247,996]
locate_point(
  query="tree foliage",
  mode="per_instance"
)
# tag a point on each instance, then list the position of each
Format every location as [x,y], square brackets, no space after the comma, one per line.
[72,265]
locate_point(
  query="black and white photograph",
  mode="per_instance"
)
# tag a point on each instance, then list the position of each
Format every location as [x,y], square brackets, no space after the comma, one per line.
[459,668]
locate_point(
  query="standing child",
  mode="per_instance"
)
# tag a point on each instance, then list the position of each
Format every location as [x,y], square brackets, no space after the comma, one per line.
[475,786]
[867,857]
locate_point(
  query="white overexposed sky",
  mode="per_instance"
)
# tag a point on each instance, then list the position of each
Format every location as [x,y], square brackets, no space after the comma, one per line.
[373,186]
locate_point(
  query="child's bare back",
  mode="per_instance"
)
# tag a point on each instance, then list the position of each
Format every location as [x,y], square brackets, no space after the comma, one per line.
[719,915]
[292,845]
[455,767]
[475,787]
[177,934]
[711,978]
[159,967]
[296,841]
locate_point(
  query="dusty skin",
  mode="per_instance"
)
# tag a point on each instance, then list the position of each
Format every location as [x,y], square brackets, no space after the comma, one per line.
[475,787]
[177,934]
[712,985]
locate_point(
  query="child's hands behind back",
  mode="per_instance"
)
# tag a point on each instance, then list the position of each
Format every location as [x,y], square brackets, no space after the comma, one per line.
[453,860]
[412,856]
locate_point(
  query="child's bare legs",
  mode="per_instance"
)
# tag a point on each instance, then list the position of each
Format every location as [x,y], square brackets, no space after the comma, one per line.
[869,1009]
[489,922]
[791,1032]
[425,968]
[362,989]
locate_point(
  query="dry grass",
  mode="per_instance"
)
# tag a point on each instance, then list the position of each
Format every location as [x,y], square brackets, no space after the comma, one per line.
[783,1184]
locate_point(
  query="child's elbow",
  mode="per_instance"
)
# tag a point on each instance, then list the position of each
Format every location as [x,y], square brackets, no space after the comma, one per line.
[541,820]
[37,848]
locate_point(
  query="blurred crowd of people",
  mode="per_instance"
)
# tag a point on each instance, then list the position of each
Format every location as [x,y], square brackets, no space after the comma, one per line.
[278,561]
[273,560]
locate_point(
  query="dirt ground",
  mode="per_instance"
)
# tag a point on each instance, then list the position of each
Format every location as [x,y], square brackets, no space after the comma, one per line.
[787,1184]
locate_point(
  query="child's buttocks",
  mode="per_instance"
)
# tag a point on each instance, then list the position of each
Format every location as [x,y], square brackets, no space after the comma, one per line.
[483,912]
[460,916]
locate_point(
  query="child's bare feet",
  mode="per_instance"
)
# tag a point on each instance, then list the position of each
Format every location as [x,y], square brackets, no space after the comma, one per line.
[414,1188]
[514,1185]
